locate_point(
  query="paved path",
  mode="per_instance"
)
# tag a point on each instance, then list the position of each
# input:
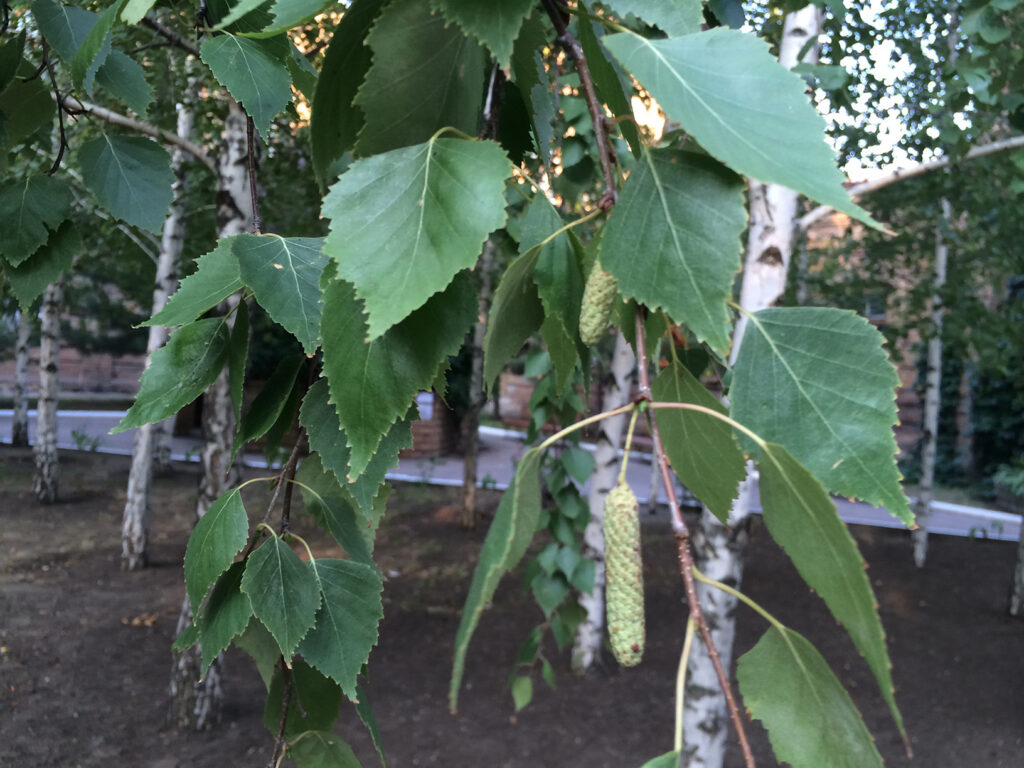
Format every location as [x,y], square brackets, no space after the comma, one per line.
[499,451]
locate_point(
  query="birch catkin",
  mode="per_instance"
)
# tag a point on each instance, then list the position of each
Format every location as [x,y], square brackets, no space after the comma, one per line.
[598,299]
[624,575]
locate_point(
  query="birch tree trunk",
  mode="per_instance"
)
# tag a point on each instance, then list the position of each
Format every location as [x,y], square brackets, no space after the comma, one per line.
[19,419]
[1017,587]
[719,550]
[195,702]
[590,633]
[471,421]
[47,477]
[135,522]
[932,392]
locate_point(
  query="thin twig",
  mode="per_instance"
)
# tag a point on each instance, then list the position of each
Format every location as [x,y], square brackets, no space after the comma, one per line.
[572,47]
[170,35]
[683,548]
[60,110]
[287,471]
[286,700]
[250,130]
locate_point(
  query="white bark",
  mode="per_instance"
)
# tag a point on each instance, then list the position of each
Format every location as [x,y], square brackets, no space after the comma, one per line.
[932,392]
[590,633]
[718,550]
[135,521]
[196,703]
[47,477]
[19,419]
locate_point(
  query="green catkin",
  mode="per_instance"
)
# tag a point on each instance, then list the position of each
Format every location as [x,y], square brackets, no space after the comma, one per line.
[596,309]
[624,596]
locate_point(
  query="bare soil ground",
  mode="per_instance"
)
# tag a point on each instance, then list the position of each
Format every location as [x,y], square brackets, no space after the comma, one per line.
[85,659]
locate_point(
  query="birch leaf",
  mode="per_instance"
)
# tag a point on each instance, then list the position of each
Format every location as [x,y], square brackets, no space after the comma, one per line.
[125,80]
[269,403]
[179,372]
[810,719]
[216,277]
[673,17]
[94,50]
[225,615]
[818,381]
[746,109]
[404,223]
[802,518]
[283,592]
[253,75]
[29,279]
[130,176]
[516,312]
[496,25]
[673,240]
[608,80]
[284,274]
[322,749]
[507,540]
[219,535]
[29,209]
[325,500]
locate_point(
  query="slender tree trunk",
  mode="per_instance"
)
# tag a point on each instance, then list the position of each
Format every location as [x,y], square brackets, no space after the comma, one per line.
[932,389]
[719,550]
[135,522]
[47,477]
[196,703]
[590,634]
[471,421]
[1017,587]
[19,419]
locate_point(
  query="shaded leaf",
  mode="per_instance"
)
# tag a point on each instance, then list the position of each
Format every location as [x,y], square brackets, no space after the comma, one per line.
[95,48]
[237,355]
[810,719]
[579,463]
[65,27]
[237,11]
[611,84]
[292,13]
[130,176]
[189,636]
[334,511]
[216,277]
[179,372]
[269,403]
[802,518]
[262,647]
[702,449]
[672,241]
[26,107]
[29,279]
[372,384]
[668,760]
[253,75]
[219,535]
[522,692]
[124,78]
[10,58]
[549,592]
[832,400]
[283,592]
[314,705]
[425,75]
[496,25]
[322,749]
[224,616]
[29,209]
[516,312]
[365,713]
[284,274]
[747,110]
[404,223]
[507,540]
[346,624]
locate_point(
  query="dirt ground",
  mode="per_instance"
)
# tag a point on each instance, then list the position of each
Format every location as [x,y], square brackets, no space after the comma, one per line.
[85,659]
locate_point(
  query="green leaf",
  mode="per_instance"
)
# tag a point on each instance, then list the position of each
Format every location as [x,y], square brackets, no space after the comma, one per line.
[179,372]
[29,209]
[217,276]
[262,647]
[373,383]
[802,518]
[134,10]
[832,400]
[284,274]
[365,712]
[189,636]
[507,540]
[219,535]
[672,240]
[346,624]
[404,223]
[224,616]
[327,502]
[130,176]
[673,17]
[496,25]
[702,449]
[322,749]
[810,719]
[327,438]
[125,79]
[283,592]
[253,75]
[65,27]
[292,13]
[304,75]
[425,75]
[336,121]
[612,86]
[94,49]
[668,760]
[269,403]
[10,58]
[522,692]
[531,76]
[549,592]
[548,673]
[237,353]
[747,110]
[29,279]
[238,10]
[26,107]
[579,463]
[516,312]
[314,705]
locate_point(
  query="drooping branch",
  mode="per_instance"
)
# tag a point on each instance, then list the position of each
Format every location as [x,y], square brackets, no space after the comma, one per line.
[75,105]
[170,35]
[902,174]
